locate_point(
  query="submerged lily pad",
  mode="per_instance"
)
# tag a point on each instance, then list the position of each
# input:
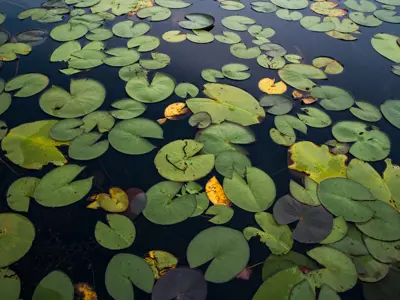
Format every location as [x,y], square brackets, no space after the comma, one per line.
[226,248]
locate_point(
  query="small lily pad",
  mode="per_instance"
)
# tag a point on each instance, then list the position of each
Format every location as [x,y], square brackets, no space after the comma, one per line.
[160,88]
[66,130]
[197,21]
[87,146]
[20,192]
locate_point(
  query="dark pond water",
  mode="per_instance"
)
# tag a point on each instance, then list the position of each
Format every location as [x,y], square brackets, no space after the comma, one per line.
[65,238]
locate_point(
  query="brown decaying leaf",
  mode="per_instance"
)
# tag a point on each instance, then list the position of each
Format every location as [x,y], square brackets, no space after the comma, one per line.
[176,111]
[245,274]
[115,201]
[297,94]
[160,262]
[162,121]
[215,193]
[84,291]
[304,97]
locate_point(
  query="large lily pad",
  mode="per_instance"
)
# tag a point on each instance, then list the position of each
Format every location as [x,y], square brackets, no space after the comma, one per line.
[130,136]
[161,87]
[57,187]
[228,103]
[120,57]
[155,13]
[255,195]
[226,248]
[55,285]
[178,161]
[30,146]
[16,236]
[86,95]
[173,3]
[299,76]
[278,238]
[164,207]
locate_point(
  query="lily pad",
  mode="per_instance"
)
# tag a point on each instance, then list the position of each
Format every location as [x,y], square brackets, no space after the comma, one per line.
[284,133]
[302,291]
[333,98]
[103,120]
[201,120]
[229,162]
[120,57]
[235,71]
[222,214]
[278,238]
[231,5]
[274,63]
[365,6]
[366,112]
[20,192]
[227,103]
[369,269]
[237,23]
[228,37]
[330,65]
[86,146]
[66,130]
[173,3]
[211,75]
[291,4]
[370,144]
[263,6]
[315,223]
[387,46]
[68,32]
[99,34]
[55,285]
[10,284]
[160,88]
[285,14]
[391,176]
[33,37]
[119,234]
[388,16]
[86,96]
[30,146]
[391,111]
[197,21]
[9,51]
[158,61]
[130,136]
[27,84]
[306,195]
[279,104]
[86,59]
[164,207]
[173,36]
[17,234]
[255,195]
[184,89]
[56,188]
[125,269]
[144,43]
[299,76]
[352,243]
[127,29]
[64,51]
[240,50]
[314,23]
[226,248]
[200,36]
[361,19]
[128,72]
[127,109]
[155,13]
[338,232]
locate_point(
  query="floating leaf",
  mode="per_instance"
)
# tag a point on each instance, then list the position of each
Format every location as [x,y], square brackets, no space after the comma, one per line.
[366,112]
[197,21]
[389,16]
[263,6]
[316,161]
[339,272]
[285,14]
[173,3]
[240,50]
[128,72]
[290,4]
[273,50]
[268,85]
[284,133]
[10,284]
[144,43]
[99,34]
[66,130]
[391,177]
[274,63]
[160,262]
[302,291]
[184,89]
[68,32]
[238,23]
[337,147]
[334,98]
[215,192]
[210,75]
[360,19]
[164,208]
[278,238]
[314,225]
[235,71]
[231,5]
[86,96]
[341,36]
[230,104]
[299,75]
[158,61]
[103,120]
[27,84]
[137,202]
[64,51]
[314,23]
[338,232]
[20,192]
[226,248]
[202,204]
[201,120]
[315,118]
[125,269]
[174,36]
[279,104]
[116,201]
[9,51]
[156,13]
[387,46]
[87,146]
[200,36]
[127,109]
[306,195]
[127,29]
[370,144]
[385,252]
[3,129]
[391,111]
[33,37]
[369,269]
[256,195]
[228,37]
[361,5]
[352,243]
[118,234]
[55,285]
[228,162]
[330,65]
[120,57]
[16,236]
[222,214]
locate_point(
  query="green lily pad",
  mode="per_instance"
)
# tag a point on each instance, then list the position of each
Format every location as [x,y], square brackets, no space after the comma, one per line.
[86,146]
[231,5]
[263,6]
[127,109]
[86,96]
[64,51]
[326,293]
[387,46]
[197,21]
[330,65]
[185,88]
[293,58]
[158,61]
[385,252]
[361,19]
[228,37]
[173,36]
[228,103]
[77,12]
[30,146]
[284,133]
[224,137]
[173,3]
[9,51]
[17,234]
[391,111]
[229,162]
[339,272]
[222,214]
[10,284]
[118,7]
[315,117]
[164,207]
[128,72]
[237,23]
[66,130]
[55,285]
[257,195]
[389,16]
[341,197]
[344,25]
[33,13]
[5,102]
[86,59]
[235,71]
[306,195]
[177,161]
[277,104]
[361,5]
[202,203]
[99,34]
[278,238]
[161,87]
[366,112]
[200,120]
[299,76]
[3,129]
[352,243]
[391,176]
[386,289]
[68,32]
[370,144]
[130,136]
[102,119]
[291,4]
[91,21]
[27,84]
[369,269]
[338,232]
[210,75]
[240,50]
[4,36]
[274,50]
[125,269]
[57,188]
[82,3]
[95,45]
[384,224]
[127,29]
[280,285]
[314,23]
[302,291]
[144,43]
[20,192]
[118,234]
[333,98]
[226,248]
[155,13]
[121,57]
[285,14]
